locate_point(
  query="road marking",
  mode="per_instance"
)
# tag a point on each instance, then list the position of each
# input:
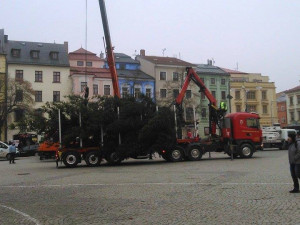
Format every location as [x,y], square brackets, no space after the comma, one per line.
[35,221]
[135,184]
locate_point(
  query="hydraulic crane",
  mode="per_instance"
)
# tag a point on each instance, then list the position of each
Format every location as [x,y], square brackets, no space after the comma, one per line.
[109,50]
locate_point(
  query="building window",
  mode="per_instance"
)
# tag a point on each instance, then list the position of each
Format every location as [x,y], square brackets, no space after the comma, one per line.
[212,81]
[203,112]
[106,89]
[238,108]
[148,92]
[265,109]
[282,108]
[56,77]
[251,95]
[213,93]
[38,76]
[291,100]
[56,96]
[34,54]
[163,93]
[292,114]
[188,94]
[95,89]
[237,95]
[298,99]
[189,113]
[175,76]
[15,52]
[264,95]
[283,120]
[83,86]
[251,108]
[19,75]
[54,55]
[19,96]
[223,81]
[19,115]
[125,92]
[202,96]
[137,93]
[89,63]
[223,93]
[163,76]
[79,63]
[38,96]
[175,93]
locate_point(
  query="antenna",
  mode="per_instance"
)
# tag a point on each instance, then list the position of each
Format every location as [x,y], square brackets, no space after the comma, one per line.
[237,66]
[163,51]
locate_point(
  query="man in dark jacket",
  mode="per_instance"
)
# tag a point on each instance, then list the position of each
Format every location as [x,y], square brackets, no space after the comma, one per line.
[294,159]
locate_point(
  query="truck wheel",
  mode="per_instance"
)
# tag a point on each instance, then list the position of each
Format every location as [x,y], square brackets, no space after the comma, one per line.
[71,159]
[113,158]
[195,153]
[246,151]
[176,154]
[93,159]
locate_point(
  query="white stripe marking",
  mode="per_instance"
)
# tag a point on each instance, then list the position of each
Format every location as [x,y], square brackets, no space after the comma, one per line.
[133,184]
[35,221]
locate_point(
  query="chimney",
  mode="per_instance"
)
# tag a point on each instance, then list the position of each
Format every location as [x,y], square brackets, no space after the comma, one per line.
[142,52]
[66,45]
[5,38]
[101,55]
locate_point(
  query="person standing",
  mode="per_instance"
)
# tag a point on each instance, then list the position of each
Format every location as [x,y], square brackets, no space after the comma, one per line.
[294,159]
[12,152]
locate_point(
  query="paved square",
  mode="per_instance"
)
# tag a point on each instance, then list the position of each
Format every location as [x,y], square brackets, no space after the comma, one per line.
[210,191]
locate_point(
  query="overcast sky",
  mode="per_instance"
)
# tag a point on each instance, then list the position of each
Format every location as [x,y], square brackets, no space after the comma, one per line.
[262,36]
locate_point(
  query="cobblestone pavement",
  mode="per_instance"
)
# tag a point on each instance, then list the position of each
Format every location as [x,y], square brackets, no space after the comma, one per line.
[211,191]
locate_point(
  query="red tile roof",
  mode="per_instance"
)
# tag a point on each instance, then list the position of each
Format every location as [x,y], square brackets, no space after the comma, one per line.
[97,72]
[82,51]
[232,71]
[167,61]
[82,54]
[293,89]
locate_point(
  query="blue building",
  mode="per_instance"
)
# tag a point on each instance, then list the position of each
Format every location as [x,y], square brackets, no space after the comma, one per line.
[132,80]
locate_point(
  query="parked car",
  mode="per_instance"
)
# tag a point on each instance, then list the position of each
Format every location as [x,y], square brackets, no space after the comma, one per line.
[26,143]
[4,152]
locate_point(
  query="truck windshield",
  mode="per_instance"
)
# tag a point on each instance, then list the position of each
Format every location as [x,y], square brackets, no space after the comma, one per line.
[253,123]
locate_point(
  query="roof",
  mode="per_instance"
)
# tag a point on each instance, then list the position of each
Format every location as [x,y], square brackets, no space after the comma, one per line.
[123,58]
[172,61]
[232,71]
[44,53]
[82,54]
[210,69]
[281,98]
[293,89]
[97,72]
[135,74]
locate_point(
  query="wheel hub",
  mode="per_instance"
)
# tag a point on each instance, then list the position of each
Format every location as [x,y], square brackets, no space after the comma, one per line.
[246,151]
[176,154]
[71,159]
[195,153]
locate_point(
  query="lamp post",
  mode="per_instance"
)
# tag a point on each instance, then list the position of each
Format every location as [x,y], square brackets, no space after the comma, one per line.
[246,99]
[272,112]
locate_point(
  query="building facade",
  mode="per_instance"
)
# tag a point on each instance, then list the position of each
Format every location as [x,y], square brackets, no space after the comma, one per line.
[3,82]
[44,65]
[86,70]
[282,109]
[293,105]
[253,92]
[133,81]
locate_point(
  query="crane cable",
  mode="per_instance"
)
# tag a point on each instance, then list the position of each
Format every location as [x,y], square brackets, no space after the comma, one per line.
[86,94]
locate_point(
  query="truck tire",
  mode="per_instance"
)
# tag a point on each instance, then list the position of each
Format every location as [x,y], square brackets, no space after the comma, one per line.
[71,159]
[246,151]
[113,158]
[175,154]
[93,159]
[194,153]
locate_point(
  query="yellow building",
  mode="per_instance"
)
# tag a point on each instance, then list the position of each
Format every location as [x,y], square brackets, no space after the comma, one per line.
[2,93]
[253,92]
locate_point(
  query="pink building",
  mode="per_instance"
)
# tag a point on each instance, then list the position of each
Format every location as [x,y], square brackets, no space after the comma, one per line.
[86,69]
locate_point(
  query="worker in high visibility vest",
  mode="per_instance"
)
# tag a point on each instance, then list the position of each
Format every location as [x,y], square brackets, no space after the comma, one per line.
[223,106]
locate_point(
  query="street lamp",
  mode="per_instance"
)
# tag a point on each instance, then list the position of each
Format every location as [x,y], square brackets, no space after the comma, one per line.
[246,99]
[272,111]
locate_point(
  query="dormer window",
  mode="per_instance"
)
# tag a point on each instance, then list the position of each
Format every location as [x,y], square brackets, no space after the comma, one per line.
[35,54]
[54,55]
[15,52]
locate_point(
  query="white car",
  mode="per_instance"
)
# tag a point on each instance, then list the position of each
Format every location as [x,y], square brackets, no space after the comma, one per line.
[4,152]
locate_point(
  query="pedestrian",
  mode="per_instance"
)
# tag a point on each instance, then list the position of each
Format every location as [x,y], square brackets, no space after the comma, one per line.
[12,152]
[294,159]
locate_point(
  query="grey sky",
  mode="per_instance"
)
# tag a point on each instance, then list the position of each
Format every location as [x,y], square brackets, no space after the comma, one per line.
[261,35]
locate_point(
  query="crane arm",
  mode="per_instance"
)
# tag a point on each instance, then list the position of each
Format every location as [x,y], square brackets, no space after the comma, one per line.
[109,50]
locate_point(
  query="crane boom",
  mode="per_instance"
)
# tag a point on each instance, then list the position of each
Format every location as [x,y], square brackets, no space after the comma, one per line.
[109,50]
